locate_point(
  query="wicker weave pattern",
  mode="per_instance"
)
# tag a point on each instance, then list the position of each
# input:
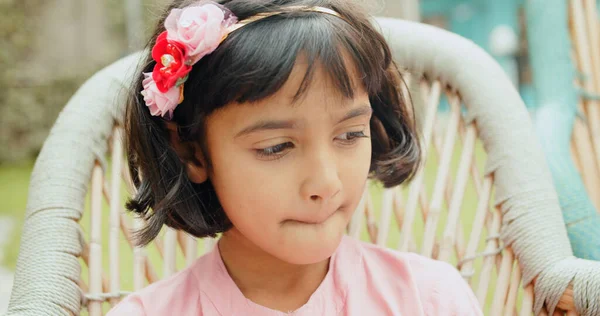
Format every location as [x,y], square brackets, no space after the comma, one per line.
[412,215]
[524,213]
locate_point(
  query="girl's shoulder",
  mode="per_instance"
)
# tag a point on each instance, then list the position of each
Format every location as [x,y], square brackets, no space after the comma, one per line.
[390,260]
[179,294]
[437,284]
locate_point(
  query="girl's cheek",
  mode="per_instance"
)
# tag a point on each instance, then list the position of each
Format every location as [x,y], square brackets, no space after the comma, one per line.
[356,166]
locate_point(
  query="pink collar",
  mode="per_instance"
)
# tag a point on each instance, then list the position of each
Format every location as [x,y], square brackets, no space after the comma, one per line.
[328,299]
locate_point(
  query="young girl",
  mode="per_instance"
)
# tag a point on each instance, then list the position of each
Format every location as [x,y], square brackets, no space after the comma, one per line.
[262,120]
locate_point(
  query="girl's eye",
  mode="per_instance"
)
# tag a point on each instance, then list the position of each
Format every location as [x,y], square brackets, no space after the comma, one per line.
[351,137]
[276,151]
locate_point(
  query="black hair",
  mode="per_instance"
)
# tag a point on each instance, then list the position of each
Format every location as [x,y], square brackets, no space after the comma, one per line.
[253,63]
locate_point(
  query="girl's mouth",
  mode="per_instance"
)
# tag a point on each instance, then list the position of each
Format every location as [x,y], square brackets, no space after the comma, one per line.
[314,220]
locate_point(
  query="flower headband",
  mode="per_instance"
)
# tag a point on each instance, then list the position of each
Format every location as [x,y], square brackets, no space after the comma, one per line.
[192,33]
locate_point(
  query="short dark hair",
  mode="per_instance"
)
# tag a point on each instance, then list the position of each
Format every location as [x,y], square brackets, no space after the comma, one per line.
[251,64]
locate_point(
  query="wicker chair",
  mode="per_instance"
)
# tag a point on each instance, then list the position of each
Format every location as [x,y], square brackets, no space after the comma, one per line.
[568,125]
[482,220]
[586,143]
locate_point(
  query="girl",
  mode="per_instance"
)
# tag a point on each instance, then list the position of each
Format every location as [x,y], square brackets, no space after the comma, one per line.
[262,120]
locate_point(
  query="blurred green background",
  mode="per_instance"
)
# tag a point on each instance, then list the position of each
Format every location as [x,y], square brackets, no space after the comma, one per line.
[47,50]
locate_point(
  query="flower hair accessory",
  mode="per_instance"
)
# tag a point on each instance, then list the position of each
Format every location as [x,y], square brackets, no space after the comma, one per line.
[191,33]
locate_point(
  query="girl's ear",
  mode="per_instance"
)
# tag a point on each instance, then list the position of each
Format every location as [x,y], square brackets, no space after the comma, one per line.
[189,154]
[197,174]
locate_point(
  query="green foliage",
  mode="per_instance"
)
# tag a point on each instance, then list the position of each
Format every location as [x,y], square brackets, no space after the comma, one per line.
[14,180]
[28,109]
[28,114]
[29,104]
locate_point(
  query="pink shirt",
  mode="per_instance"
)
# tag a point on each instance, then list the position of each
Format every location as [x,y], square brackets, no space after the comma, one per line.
[363,279]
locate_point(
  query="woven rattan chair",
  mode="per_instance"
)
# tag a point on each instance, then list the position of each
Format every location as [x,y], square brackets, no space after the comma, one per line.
[566,116]
[484,220]
[585,34]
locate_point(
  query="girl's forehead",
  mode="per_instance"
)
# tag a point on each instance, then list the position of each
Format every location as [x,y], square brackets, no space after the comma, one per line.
[320,84]
[321,102]
[321,94]
[321,99]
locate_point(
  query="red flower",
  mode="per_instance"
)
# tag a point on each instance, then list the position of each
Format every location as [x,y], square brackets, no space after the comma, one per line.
[170,63]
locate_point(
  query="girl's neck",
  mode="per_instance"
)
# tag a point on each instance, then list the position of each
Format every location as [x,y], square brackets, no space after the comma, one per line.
[266,280]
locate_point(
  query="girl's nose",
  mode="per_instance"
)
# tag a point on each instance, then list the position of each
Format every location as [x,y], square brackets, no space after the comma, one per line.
[321,179]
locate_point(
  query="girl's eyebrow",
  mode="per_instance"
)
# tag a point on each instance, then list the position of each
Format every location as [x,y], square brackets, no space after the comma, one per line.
[266,125]
[356,112]
[289,124]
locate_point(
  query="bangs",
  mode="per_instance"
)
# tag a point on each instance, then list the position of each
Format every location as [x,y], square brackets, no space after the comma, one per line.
[255,61]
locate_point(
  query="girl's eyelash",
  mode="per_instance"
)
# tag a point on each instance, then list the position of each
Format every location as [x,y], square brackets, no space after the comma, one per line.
[353,136]
[274,151]
[278,151]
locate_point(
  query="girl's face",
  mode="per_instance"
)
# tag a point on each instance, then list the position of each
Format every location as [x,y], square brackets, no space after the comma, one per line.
[290,175]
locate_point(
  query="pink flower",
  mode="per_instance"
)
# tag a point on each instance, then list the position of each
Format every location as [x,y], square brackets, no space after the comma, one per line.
[191,33]
[160,103]
[200,28]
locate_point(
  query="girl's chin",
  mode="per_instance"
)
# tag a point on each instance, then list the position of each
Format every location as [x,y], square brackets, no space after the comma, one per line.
[309,250]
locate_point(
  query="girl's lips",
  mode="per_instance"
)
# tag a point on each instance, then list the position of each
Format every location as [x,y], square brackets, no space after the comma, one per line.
[321,218]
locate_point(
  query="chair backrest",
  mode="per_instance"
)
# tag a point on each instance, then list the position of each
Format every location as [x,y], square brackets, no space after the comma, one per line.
[586,142]
[566,116]
[480,218]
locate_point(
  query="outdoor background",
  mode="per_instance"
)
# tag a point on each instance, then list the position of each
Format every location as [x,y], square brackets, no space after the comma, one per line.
[47,49]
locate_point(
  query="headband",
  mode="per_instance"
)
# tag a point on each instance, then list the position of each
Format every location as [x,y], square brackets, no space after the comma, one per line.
[192,33]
